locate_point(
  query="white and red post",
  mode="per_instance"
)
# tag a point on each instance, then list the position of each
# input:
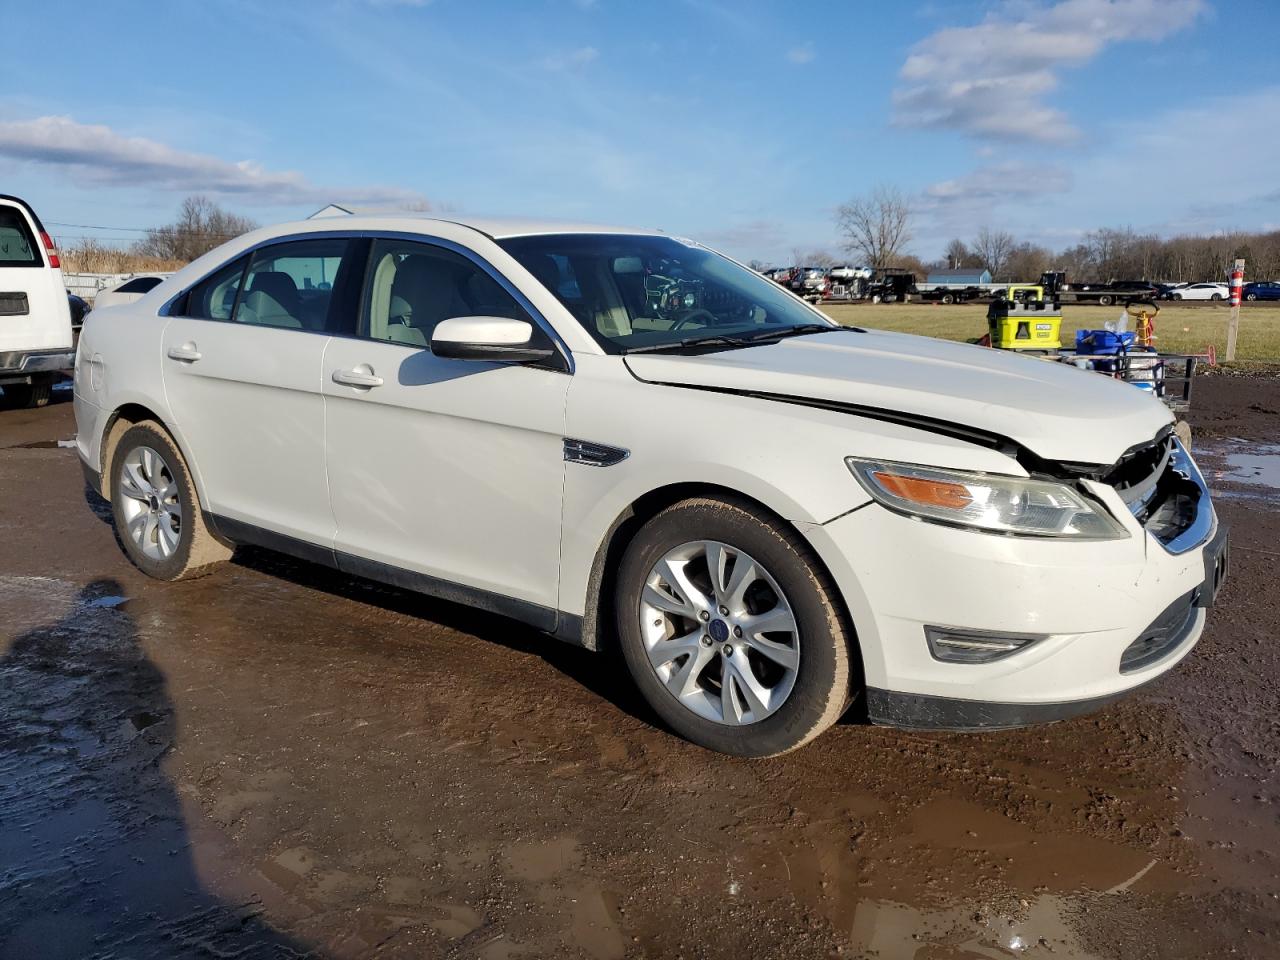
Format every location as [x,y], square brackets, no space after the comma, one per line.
[1233,323]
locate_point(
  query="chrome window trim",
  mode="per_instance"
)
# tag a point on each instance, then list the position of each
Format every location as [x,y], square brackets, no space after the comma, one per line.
[453,246]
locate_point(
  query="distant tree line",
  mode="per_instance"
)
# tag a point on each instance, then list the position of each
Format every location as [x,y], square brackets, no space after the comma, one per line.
[877,228]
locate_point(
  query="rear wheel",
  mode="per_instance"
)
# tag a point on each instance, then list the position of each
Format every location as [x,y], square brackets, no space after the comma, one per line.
[948,298]
[1216,296]
[1104,301]
[29,395]
[157,513]
[731,629]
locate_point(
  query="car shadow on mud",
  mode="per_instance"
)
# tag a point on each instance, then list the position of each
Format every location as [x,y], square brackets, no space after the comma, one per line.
[98,858]
[603,673]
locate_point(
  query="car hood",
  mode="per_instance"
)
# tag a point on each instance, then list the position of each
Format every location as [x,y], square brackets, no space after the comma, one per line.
[1053,409]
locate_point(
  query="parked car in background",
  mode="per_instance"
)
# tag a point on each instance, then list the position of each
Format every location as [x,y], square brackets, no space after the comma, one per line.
[1201,291]
[128,291]
[36,342]
[1262,290]
[810,282]
[1164,291]
[78,307]
[621,437]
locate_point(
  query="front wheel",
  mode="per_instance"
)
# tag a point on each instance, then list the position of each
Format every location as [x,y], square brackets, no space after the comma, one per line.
[156,511]
[731,629]
[1104,301]
[1251,296]
[1177,296]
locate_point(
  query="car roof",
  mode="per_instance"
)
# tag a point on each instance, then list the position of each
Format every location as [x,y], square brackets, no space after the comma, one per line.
[496,228]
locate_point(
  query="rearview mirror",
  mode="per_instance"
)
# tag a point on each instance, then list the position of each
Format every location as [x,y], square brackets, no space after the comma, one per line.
[490,338]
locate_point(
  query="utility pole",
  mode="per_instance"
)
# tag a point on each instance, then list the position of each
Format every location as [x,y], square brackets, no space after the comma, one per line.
[1233,323]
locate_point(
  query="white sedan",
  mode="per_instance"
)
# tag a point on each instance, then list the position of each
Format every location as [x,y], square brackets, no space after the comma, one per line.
[128,291]
[1201,291]
[624,438]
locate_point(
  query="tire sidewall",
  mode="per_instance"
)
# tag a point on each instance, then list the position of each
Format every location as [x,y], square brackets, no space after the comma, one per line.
[823,647]
[146,435]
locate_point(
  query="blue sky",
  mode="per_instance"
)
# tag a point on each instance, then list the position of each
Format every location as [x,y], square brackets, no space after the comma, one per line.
[740,123]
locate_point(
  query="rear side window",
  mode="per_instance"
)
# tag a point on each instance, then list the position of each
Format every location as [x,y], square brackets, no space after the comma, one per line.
[292,284]
[17,244]
[214,298]
[140,285]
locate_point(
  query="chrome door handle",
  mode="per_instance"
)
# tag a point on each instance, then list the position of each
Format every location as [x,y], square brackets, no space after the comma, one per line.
[187,353]
[357,378]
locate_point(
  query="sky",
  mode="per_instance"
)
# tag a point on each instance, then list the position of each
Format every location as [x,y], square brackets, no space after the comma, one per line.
[741,123]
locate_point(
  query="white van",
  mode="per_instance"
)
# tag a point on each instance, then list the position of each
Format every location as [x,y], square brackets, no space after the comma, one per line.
[35,319]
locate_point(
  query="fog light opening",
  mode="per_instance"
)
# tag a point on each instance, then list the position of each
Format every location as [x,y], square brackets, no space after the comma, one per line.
[975,646]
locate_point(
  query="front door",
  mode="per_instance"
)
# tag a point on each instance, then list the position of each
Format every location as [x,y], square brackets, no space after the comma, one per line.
[242,369]
[449,469]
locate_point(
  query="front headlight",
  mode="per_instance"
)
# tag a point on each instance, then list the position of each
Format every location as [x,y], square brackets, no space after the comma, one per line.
[996,504]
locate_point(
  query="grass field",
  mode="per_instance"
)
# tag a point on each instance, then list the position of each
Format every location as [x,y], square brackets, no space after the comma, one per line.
[1179,328]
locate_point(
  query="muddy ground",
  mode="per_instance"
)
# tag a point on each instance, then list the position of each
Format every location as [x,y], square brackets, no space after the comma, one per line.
[278,762]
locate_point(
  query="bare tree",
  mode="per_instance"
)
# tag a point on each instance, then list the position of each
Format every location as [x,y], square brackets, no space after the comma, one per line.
[201,226]
[814,258]
[958,255]
[876,227]
[991,248]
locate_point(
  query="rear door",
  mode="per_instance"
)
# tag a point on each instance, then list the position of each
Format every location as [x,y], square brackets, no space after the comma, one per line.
[34,314]
[242,370]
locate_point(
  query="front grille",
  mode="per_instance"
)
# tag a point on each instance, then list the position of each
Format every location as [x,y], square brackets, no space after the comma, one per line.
[1164,635]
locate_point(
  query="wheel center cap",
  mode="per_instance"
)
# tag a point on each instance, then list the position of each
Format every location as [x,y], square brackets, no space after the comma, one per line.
[719,631]
[154,503]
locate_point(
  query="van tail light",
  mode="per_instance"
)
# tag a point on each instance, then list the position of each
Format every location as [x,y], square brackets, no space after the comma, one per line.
[50,249]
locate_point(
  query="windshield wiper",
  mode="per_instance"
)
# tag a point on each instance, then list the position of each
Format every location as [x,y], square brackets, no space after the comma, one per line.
[801,330]
[731,340]
[690,343]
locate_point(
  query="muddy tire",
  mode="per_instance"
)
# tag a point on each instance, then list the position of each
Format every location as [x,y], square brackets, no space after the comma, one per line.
[157,514]
[732,630]
[28,395]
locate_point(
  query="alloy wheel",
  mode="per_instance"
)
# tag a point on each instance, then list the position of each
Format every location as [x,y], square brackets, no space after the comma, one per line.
[719,632]
[150,503]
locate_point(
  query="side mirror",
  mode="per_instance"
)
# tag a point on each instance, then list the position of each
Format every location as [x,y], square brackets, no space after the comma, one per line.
[500,339]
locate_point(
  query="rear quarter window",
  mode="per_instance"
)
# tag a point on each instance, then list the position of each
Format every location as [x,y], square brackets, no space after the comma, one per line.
[17,244]
[139,285]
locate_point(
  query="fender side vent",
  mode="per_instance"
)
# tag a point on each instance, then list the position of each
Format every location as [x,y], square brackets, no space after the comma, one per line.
[593,454]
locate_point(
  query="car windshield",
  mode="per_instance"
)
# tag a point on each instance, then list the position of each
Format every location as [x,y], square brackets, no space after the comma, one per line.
[643,292]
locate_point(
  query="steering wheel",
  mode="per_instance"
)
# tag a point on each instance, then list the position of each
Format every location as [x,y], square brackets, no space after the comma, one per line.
[695,314]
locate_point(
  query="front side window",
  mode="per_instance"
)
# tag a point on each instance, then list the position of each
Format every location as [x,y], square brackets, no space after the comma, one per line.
[637,292]
[413,286]
[17,245]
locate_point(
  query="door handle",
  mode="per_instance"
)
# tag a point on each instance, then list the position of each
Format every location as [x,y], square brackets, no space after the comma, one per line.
[187,353]
[362,377]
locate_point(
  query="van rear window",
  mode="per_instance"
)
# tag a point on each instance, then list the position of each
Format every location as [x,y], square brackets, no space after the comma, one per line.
[17,245]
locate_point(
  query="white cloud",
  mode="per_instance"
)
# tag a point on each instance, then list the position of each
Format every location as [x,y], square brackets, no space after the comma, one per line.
[97,155]
[572,60]
[802,54]
[999,182]
[992,79]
